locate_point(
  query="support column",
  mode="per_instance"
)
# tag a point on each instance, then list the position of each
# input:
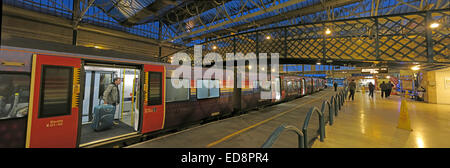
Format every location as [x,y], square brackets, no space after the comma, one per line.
[75,16]
[429,37]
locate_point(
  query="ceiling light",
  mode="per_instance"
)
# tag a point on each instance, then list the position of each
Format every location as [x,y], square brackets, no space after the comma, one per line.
[328,31]
[434,25]
[415,68]
[214,47]
[268,37]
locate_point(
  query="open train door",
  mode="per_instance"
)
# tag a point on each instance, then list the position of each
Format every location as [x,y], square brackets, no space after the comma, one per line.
[154,95]
[54,95]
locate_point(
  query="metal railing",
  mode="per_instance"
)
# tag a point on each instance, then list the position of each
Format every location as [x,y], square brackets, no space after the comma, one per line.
[337,101]
[271,140]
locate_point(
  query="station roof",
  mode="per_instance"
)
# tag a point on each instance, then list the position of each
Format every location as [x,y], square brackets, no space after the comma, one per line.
[190,22]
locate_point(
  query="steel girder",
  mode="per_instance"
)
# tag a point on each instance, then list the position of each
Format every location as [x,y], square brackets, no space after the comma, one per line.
[392,38]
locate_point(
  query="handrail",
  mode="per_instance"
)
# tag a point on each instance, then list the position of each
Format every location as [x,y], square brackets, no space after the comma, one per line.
[274,136]
[330,111]
[306,123]
[334,104]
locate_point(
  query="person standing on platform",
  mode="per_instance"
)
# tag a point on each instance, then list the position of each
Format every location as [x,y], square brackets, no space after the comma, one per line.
[389,86]
[352,88]
[335,86]
[111,95]
[383,89]
[371,88]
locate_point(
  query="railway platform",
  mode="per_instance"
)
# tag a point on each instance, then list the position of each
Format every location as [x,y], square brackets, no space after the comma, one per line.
[372,123]
[250,130]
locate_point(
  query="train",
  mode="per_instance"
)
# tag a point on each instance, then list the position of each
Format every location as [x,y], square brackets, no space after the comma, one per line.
[47,98]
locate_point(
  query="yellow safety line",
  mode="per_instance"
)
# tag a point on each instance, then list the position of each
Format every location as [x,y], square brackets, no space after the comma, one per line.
[31,102]
[261,122]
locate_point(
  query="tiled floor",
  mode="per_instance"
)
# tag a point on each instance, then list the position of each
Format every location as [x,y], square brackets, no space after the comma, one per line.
[372,123]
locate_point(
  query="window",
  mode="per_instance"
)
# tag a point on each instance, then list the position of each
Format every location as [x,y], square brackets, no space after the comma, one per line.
[209,89]
[105,80]
[56,91]
[14,95]
[177,94]
[154,88]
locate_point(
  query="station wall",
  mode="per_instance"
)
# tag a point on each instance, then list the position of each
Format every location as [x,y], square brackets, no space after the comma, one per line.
[21,23]
[438,86]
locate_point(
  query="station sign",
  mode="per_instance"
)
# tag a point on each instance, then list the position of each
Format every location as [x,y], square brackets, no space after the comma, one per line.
[374,70]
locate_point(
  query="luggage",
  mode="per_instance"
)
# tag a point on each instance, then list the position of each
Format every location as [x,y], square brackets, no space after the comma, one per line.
[103,117]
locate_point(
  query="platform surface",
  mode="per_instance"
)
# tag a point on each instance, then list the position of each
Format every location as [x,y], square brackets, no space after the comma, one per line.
[248,130]
[372,123]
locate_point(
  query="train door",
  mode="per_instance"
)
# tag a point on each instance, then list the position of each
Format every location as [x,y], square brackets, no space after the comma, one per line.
[126,114]
[303,87]
[54,96]
[154,95]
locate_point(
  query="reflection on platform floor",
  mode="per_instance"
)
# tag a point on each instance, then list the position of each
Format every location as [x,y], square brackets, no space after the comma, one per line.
[372,123]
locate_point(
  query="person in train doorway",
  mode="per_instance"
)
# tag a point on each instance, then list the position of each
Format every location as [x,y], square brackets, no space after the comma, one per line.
[335,86]
[383,89]
[352,88]
[111,95]
[371,89]
[389,86]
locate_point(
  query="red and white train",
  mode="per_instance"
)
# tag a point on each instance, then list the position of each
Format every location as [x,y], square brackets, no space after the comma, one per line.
[47,97]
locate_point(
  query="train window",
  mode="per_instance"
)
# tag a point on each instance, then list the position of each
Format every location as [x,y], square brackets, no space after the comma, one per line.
[214,91]
[56,91]
[177,94]
[265,86]
[14,95]
[209,89]
[105,80]
[154,88]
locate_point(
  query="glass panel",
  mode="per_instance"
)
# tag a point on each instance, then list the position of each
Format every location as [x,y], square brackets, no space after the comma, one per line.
[214,91]
[176,94]
[154,88]
[56,91]
[14,95]
[202,93]
[105,80]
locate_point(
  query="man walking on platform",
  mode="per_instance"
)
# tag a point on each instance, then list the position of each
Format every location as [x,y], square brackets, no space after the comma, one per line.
[352,88]
[389,88]
[335,86]
[383,89]
[371,88]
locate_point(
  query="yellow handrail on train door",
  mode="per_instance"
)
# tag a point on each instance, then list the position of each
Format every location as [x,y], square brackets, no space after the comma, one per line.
[123,96]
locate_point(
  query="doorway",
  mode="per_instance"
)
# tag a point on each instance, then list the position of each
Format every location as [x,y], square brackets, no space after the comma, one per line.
[127,114]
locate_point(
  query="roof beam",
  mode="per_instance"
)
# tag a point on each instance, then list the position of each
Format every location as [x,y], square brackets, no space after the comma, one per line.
[260,12]
[294,13]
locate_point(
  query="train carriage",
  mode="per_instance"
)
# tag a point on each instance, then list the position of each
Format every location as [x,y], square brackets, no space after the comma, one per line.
[48,97]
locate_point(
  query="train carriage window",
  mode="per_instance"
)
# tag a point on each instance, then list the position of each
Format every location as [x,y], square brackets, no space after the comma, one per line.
[177,94]
[56,91]
[154,88]
[214,91]
[209,89]
[14,95]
